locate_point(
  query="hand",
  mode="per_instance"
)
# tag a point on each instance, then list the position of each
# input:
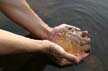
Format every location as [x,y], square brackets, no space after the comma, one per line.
[83,42]
[61,57]
[81,37]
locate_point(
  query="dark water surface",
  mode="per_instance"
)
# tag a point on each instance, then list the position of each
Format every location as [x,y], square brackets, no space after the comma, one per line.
[91,15]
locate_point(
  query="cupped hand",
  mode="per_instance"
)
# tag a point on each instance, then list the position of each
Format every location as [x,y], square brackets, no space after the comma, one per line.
[80,37]
[58,54]
[61,57]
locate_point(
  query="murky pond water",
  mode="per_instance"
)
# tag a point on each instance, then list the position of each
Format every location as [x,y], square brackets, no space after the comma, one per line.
[91,15]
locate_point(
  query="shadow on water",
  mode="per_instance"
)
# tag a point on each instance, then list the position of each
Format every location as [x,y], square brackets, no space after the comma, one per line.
[91,15]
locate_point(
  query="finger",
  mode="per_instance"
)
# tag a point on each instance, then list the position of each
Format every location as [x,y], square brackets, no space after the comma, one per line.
[87,39]
[65,62]
[74,58]
[70,57]
[86,48]
[69,27]
[81,57]
[73,27]
[84,33]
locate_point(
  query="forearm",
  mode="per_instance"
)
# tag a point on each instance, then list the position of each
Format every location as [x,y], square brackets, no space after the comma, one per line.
[12,43]
[21,13]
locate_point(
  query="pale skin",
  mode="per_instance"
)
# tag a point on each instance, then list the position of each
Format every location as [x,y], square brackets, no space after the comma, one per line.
[20,12]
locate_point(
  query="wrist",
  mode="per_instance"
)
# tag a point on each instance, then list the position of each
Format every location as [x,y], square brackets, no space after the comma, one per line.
[47,32]
[41,46]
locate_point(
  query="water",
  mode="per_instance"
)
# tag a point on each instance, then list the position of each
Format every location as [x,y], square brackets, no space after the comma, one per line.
[91,15]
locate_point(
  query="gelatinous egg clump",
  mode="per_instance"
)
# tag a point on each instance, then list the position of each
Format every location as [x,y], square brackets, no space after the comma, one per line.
[72,42]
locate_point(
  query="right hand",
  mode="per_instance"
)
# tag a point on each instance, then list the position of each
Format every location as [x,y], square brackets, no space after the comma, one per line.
[61,57]
[81,37]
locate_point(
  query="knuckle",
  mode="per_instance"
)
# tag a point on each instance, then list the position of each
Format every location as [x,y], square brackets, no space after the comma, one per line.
[64,24]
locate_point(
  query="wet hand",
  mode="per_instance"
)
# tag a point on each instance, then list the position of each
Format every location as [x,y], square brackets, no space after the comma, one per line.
[61,57]
[81,37]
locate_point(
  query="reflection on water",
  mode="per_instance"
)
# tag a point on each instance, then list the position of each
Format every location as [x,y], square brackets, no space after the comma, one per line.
[91,15]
